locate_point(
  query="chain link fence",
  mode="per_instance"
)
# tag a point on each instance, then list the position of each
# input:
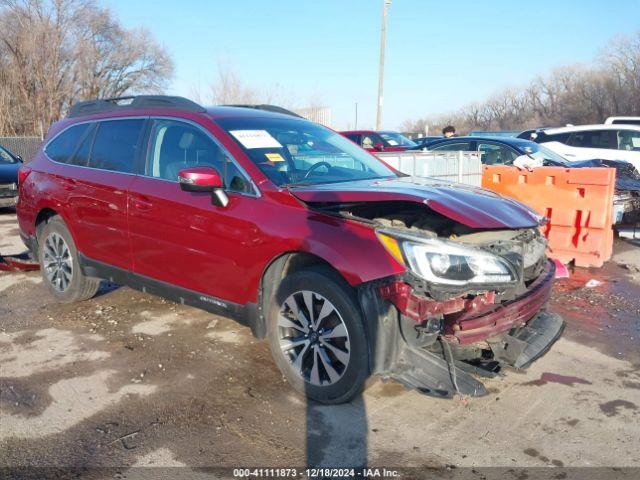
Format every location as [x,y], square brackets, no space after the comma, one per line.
[26,147]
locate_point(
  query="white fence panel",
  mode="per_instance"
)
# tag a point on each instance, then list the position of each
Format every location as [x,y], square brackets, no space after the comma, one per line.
[460,167]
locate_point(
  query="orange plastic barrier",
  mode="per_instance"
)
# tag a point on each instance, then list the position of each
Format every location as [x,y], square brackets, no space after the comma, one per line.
[577,201]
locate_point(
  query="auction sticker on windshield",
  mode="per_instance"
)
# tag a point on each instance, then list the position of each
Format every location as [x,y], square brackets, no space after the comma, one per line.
[256,139]
[274,157]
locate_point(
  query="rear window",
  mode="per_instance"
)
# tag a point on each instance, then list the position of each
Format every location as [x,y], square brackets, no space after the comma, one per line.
[116,145]
[62,147]
[594,139]
[81,155]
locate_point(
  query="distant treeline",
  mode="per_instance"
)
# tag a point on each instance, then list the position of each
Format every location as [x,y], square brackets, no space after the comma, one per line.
[577,94]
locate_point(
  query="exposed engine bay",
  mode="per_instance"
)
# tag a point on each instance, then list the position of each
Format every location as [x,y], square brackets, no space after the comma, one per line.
[523,248]
[476,327]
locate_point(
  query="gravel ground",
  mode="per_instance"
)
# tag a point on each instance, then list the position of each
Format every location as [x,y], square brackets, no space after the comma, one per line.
[127,380]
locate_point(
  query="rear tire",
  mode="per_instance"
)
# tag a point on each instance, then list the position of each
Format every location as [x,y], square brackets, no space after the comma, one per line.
[323,355]
[59,264]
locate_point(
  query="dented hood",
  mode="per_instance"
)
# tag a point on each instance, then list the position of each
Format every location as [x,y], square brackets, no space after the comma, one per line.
[471,206]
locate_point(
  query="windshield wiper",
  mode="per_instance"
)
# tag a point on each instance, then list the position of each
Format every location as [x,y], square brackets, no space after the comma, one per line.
[346,180]
[297,184]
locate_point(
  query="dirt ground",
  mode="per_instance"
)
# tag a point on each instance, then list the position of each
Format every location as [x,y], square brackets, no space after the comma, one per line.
[127,379]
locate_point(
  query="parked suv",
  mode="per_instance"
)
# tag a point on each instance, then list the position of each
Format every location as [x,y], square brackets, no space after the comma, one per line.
[348,267]
[589,142]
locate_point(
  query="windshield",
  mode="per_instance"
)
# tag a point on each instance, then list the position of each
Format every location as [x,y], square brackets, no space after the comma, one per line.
[396,139]
[540,152]
[5,157]
[298,152]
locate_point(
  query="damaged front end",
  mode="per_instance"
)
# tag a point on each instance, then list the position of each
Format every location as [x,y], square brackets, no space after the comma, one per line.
[470,303]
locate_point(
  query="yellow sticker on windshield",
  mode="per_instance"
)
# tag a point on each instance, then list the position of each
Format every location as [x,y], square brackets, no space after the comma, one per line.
[274,157]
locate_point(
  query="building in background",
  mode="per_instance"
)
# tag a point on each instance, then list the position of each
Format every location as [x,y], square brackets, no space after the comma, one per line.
[321,115]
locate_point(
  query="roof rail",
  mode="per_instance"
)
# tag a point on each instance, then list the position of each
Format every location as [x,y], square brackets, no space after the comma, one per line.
[89,107]
[268,108]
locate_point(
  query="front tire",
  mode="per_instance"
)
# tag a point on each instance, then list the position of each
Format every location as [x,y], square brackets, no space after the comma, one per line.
[317,337]
[59,264]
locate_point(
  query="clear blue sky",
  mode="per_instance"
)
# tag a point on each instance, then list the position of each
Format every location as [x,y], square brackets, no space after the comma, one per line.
[440,54]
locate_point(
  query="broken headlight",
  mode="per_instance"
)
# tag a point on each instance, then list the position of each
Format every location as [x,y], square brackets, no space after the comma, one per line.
[445,262]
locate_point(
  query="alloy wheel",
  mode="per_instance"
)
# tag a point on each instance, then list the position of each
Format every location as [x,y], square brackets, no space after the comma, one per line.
[314,337]
[57,261]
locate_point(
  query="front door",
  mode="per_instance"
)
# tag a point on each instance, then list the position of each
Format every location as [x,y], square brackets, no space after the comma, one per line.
[181,238]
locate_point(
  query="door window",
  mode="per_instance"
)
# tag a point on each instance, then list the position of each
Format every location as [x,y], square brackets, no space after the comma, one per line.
[354,137]
[543,137]
[62,147]
[176,145]
[628,140]
[594,139]
[116,145]
[81,157]
[452,147]
[494,154]
[369,140]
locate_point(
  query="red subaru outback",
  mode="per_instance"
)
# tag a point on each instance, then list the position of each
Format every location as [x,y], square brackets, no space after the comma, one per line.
[347,266]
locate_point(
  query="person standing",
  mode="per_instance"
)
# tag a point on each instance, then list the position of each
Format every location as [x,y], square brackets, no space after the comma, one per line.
[449,131]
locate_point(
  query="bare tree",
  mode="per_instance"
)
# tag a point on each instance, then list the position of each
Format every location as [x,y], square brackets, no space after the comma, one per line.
[55,52]
[622,58]
[228,88]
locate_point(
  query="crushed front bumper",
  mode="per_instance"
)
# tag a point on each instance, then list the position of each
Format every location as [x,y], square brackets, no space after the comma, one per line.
[437,373]
[513,333]
[473,326]
[523,345]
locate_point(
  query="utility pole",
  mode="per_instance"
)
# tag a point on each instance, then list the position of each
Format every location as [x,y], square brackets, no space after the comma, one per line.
[356,127]
[383,41]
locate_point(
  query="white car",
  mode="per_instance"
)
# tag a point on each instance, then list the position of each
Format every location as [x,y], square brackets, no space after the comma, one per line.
[587,142]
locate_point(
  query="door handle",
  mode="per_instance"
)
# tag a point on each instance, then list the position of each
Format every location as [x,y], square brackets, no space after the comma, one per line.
[69,184]
[142,203]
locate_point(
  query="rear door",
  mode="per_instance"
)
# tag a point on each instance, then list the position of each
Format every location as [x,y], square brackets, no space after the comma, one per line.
[590,144]
[179,237]
[105,168]
[94,165]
